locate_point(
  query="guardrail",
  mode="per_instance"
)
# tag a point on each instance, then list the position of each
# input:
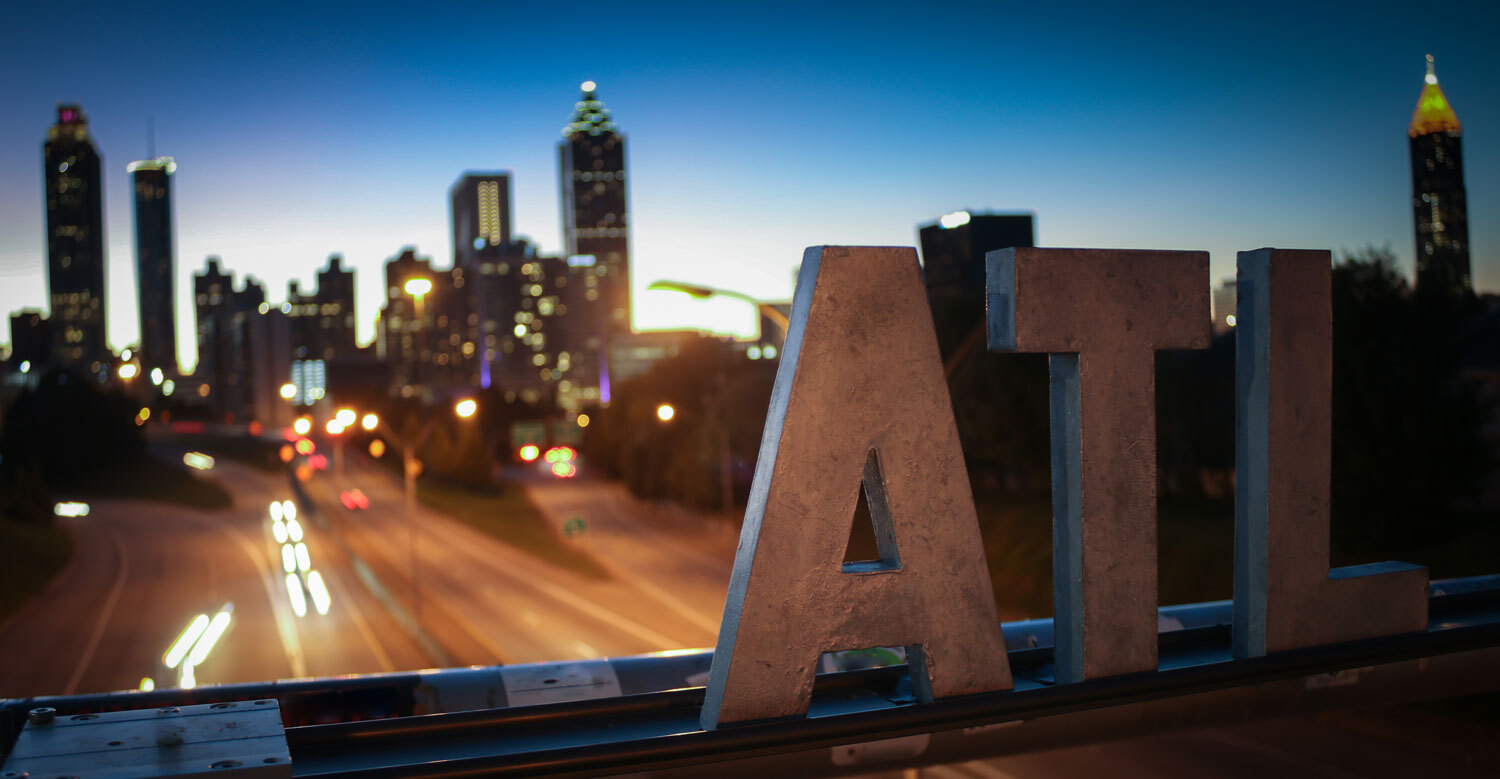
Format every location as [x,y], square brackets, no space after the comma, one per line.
[641,713]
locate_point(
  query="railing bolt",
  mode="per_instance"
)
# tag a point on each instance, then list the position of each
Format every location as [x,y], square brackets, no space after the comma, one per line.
[42,716]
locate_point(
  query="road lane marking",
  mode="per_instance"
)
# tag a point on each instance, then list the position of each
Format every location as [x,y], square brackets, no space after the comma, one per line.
[104,615]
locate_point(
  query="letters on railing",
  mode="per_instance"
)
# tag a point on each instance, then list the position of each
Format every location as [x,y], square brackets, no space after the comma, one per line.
[860,402]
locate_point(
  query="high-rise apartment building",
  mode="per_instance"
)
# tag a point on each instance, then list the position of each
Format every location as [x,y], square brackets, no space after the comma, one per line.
[1439,204]
[155,263]
[75,243]
[953,250]
[594,213]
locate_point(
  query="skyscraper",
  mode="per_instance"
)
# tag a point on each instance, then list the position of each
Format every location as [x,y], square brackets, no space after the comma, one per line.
[486,265]
[75,242]
[594,213]
[1439,205]
[151,182]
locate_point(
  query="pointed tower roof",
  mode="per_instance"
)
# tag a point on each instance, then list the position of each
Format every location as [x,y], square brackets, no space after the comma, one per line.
[589,114]
[1433,114]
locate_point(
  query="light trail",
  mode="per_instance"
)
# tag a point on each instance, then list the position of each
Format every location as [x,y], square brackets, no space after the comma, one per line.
[184,642]
[319,591]
[294,592]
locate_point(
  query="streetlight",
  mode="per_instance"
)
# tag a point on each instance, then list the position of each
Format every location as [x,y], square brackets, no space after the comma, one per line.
[665,412]
[369,421]
[410,467]
[288,391]
[302,426]
[417,287]
[703,293]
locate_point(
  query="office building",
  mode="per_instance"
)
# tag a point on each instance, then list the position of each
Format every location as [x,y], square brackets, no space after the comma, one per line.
[75,243]
[30,340]
[322,322]
[226,364]
[953,250]
[155,263]
[594,207]
[486,262]
[1439,203]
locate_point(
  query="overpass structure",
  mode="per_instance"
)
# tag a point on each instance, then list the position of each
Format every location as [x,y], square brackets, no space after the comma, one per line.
[635,714]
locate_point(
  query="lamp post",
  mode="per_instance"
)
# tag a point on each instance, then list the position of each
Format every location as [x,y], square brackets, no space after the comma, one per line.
[418,287]
[726,480]
[703,293]
[410,468]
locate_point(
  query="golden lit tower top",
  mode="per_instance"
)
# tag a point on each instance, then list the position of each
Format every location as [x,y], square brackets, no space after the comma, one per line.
[1433,114]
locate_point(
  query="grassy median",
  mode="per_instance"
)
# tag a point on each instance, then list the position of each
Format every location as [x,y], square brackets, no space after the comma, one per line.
[507,514]
[146,478]
[30,555]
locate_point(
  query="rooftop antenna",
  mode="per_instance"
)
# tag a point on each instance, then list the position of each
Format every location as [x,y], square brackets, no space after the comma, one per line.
[150,138]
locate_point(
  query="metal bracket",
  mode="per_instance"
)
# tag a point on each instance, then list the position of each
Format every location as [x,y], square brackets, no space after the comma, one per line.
[244,737]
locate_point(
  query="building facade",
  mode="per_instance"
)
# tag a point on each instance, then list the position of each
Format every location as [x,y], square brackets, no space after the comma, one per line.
[953,250]
[322,322]
[226,316]
[30,339]
[1439,203]
[595,216]
[155,262]
[75,243]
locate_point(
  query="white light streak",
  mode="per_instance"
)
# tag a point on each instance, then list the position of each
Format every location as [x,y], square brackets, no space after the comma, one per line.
[294,592]
[319,591]
[184,642]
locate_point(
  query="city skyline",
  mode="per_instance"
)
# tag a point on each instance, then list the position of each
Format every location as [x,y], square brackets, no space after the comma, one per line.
[751,154]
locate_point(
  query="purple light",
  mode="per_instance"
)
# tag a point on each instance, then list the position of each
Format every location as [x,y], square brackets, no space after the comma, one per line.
[69,115]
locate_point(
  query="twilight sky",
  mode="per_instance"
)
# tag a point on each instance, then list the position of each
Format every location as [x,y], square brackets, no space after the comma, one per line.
[300,131]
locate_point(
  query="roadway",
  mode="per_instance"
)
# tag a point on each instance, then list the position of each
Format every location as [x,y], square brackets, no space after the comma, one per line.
[484,601]
[142,571]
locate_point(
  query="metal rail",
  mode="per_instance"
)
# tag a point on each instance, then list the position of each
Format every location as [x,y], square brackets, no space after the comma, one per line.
[471,721]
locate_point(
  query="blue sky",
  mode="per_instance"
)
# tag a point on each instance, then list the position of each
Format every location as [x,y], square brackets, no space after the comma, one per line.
[304,130]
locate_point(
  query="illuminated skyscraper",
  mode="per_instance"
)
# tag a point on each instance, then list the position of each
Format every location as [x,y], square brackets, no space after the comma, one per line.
[151,182]
[75,242]
[594,213]
[481,214]
[1439,205]
[486,266]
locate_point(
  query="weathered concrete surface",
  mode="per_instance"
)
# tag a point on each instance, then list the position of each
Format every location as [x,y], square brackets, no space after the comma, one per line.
[1284,597]
[1101,314]
[860,372]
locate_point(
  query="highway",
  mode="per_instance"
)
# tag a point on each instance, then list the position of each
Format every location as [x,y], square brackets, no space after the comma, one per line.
[142,572]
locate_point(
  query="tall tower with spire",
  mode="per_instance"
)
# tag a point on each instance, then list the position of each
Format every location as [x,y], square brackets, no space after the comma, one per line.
[1439,207]
[594,216]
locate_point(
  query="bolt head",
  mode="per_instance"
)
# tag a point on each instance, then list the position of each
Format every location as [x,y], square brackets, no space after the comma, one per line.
[42,716]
